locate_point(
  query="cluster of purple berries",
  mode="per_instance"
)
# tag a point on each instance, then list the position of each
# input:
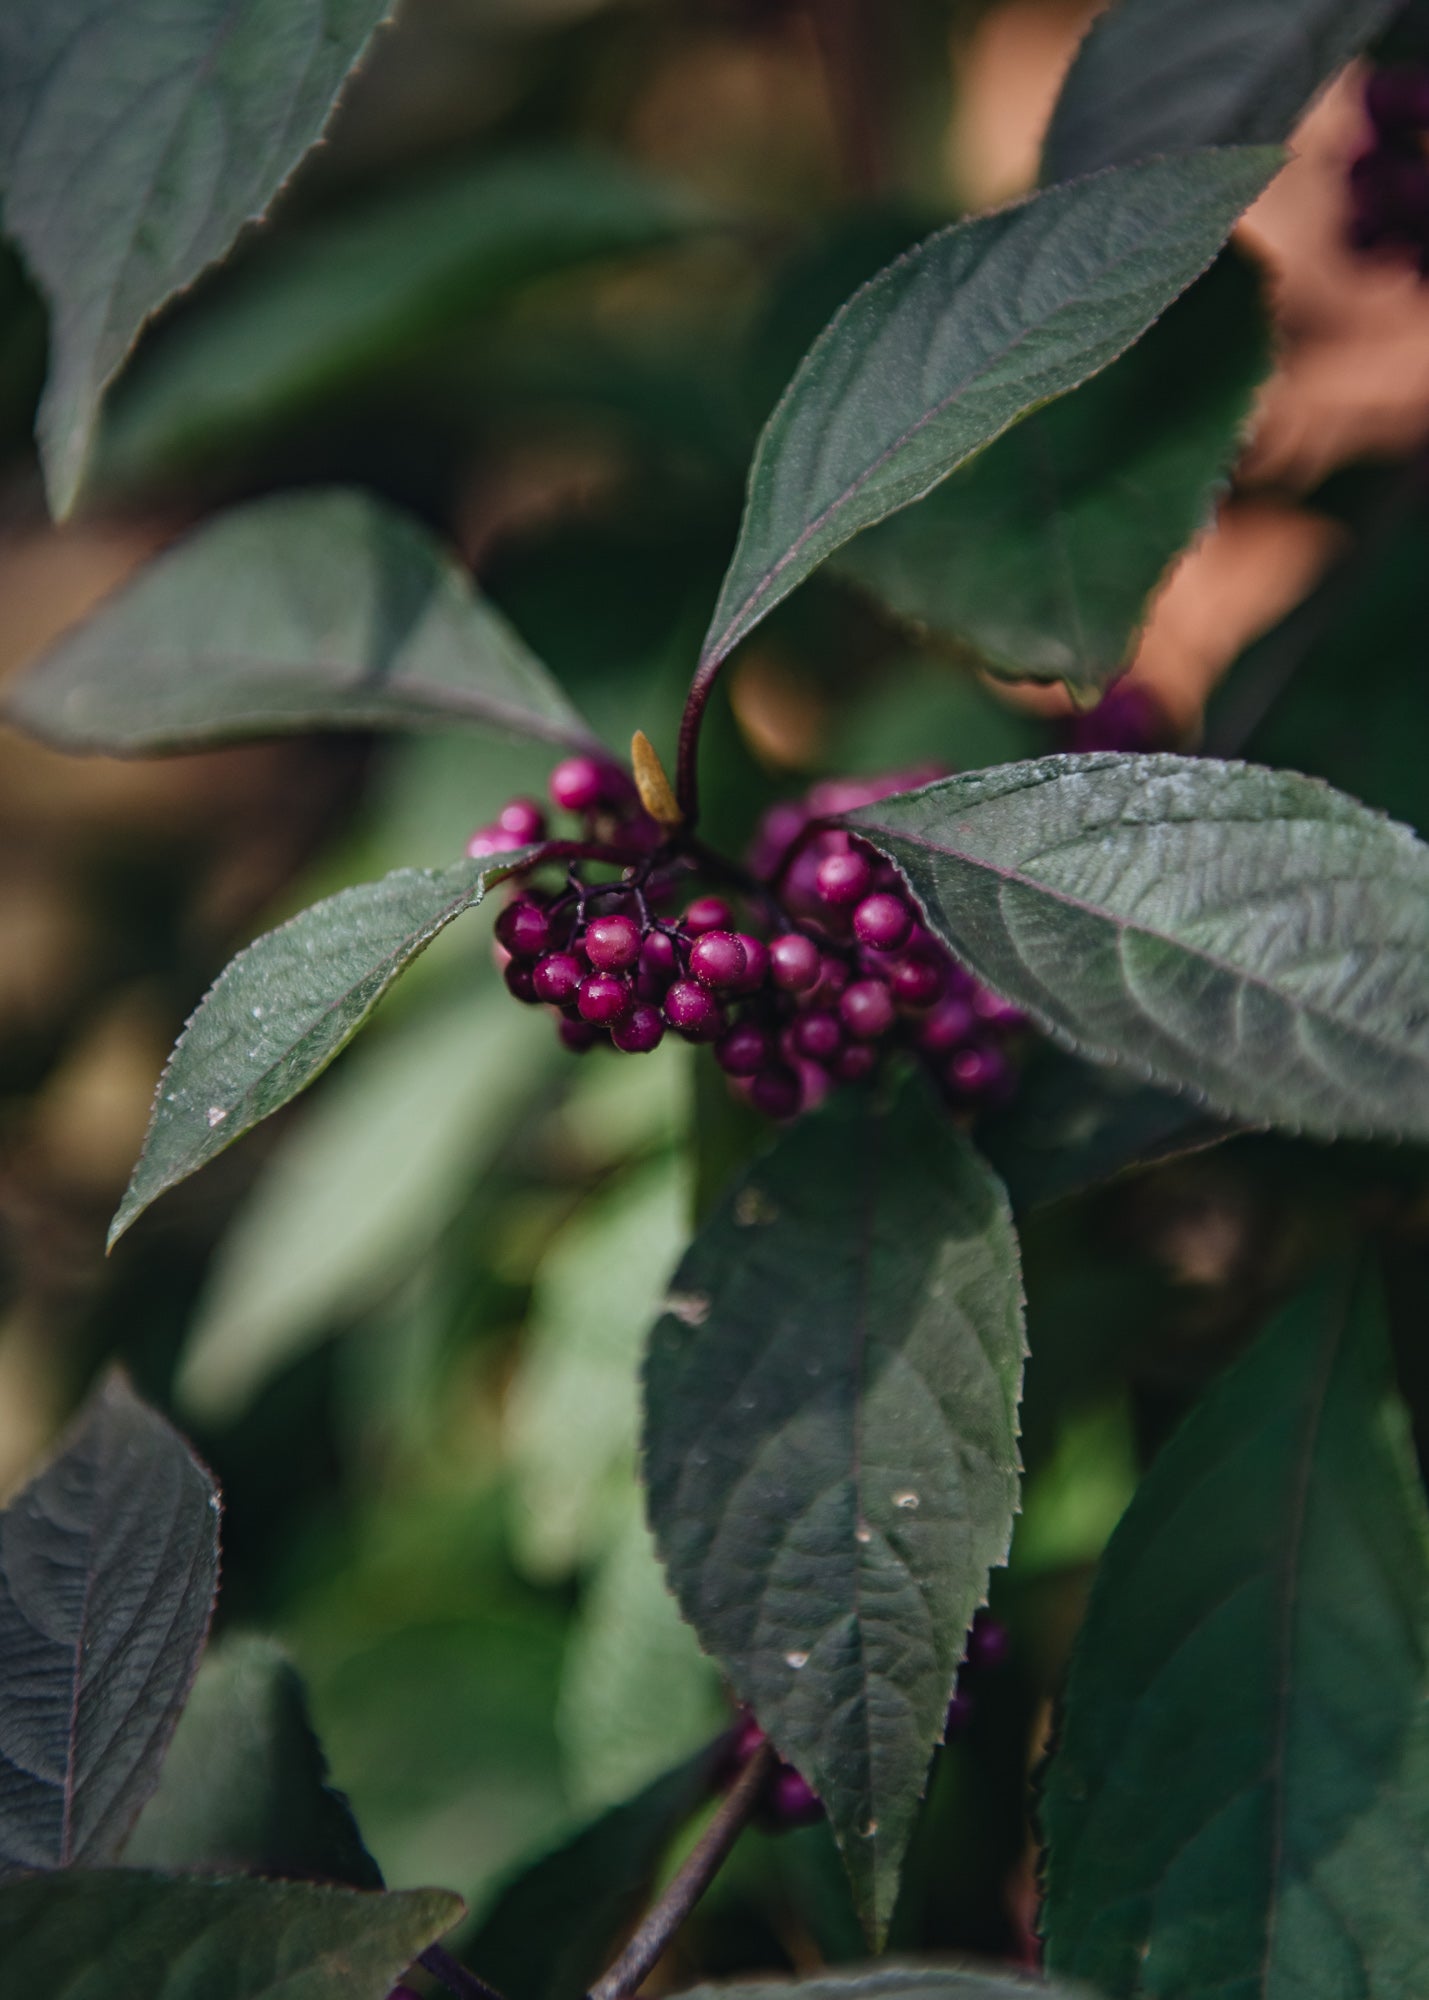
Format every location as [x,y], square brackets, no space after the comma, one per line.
[831,968]
[1389,182]
[789,1799]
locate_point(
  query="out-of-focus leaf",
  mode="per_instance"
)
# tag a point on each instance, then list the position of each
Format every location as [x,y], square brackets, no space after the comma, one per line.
[244,1787]
[279,1012]
[108,1567]
[955,341]
[906,1981]
[830,1448]
[1163,76]
[122,1934]
[1041,554]
[1248,936]
[320,610]
[135,142]
[359,1189]
[1239,1798]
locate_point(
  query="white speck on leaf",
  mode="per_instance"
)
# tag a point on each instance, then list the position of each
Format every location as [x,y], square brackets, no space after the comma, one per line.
[692,1308]
[796,1660]
[908,1499]
[216,1114]
[863,1533]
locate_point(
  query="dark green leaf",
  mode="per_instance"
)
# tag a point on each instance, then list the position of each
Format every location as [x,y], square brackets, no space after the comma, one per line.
[830,1448]
[954,342]
[311,611]
[1239,1801]
[893,1981]
[108,1567]
[1041,554]
[124,1935]
[135,142]
[278,1013]
[244,1788]
[1163,76]
[553,1926]
[1248,936]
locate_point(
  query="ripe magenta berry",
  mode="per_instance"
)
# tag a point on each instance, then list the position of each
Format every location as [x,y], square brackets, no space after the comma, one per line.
[960,1714]
[744,1050]
[708,913]
[882,921]
[717,959]
[658,958]
[855,1061]
[523,819]
[975,1073]
[692,1011]
[916,981]
[947,1027]
[578,1036]
[777,1091]
[612,943]
[489,840]
[988,1643]
[791,1801]
[557,977]
[603,997]
[843,878]
[995,1011]
[794,962]
[866,1009]
[756,963]
[519,980]
[577,785]
[524,928]
[818,1035]
[642,1029]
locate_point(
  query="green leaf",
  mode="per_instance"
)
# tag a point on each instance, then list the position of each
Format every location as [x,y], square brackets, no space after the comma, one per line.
[1248,936]
[830,1448]
[553,1926]
[906,1981]
[135,143]
[320,610]
[124,1935]
[952,343]
[278,1013]
[1164,76]
[108,1567]
[1239,1800]
[244,1788]
[325,308]
[1041,554]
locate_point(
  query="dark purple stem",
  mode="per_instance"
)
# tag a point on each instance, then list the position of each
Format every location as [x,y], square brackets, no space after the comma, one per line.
[687,758]
[455,1977]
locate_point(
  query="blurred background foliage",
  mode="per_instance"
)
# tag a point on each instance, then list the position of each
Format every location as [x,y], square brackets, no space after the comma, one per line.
[540,285]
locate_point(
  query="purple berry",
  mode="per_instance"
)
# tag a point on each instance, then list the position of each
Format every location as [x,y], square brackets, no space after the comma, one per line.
[756,963]
[612,943]
[855,1061]
[818,1035]
[1397,100]
[777,1091]
[489,840]
[976,1073]
[988,1643]
[403,1993]
[917,980]
[791,1801]
[523,819]
[843,878]
[557,977]
[991,1008]
[577,785]
[642,1029]
[692,1011]
[744,1050]
[883,922]
[717,959]
[866,1009]
[794,962]
[960,1714]
[524,928]
[578,1036]
[708,913]
[658,956]
[748,1737]
[603,997]
[947,1027]
[520,982]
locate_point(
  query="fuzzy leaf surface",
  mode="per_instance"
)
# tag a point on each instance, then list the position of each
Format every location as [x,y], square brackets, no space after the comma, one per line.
[122,1934]
[135,141]
[325,610]
[1239,1800]
[893,1980]
[1165,76]
[278,1013]
[1249,936]
[831,1448]
[958,339]
[108,1567]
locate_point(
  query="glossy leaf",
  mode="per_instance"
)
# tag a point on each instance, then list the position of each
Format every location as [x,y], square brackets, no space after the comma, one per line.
[278,1013]
[108,1567]
[1239,1798]
[244,1787]
[122,1934]
[1248,936]
[1164,76]
[953,342]
[135,142]
[830,1448]
[898,1981]
[1040,555]
[323,610]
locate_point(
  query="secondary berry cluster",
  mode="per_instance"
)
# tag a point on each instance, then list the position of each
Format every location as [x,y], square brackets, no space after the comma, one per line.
[1389,182]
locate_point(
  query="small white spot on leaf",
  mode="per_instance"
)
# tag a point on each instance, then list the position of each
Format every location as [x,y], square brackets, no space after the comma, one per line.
[863,1533]
[796,1660]
[907,1499]
[216,1114]
[692,1308]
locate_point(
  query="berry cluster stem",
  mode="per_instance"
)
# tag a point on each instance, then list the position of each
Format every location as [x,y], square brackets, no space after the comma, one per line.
[454,1976]
[687,758]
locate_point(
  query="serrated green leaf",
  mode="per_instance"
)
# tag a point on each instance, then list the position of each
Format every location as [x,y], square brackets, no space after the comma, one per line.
[1239,1799]
[891,1980]
[244,1787]
[278,1013]
[955,341]
[1248,936]
[1164,76]
[321,610]
[830,1448]
[108,1567]
[1040,555]
[121,1934]
[135,142]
